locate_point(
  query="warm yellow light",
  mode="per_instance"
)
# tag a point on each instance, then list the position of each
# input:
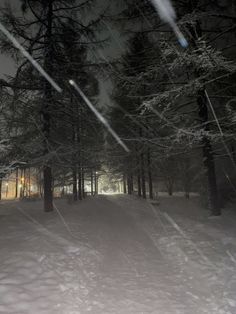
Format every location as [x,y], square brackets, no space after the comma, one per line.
[6,184]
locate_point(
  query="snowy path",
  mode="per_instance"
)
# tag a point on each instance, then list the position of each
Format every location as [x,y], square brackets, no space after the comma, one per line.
[124,256]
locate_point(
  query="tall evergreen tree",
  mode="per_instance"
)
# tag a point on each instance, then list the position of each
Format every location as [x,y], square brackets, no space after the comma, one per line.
[42,28]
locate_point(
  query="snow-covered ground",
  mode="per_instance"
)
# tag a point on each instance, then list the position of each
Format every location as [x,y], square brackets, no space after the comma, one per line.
[117,254]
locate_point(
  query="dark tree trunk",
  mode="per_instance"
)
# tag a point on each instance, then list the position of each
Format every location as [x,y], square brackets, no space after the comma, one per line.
[208,157]
[142,169]
[186,178]
[47,184]
[139,177]
[75,145]
[74,178]
[96,183]
[129,184]
[211,177]
[149,174]
[47,171]
[40,184]
[83,191]
[80,184]
[0,188]
[24,182]
[187,188]
[143,179]
[187,195]
[138,172]
[29,183]
[124,184]
[139,185]
[233,153]
[16,188]
[92,183]
[170,189]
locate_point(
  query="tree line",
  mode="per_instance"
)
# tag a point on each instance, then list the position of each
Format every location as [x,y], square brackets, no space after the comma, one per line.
[173,107]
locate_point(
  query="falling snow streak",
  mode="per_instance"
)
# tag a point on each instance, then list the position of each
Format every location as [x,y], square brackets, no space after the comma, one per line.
[220,129]
[30,58]
[168,15]
[99,116]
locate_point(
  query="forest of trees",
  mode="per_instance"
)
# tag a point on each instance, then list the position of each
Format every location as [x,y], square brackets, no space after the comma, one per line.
[174,107]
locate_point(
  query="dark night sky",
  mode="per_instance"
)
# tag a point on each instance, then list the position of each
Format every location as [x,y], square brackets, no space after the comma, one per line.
[6,64]
[112,50]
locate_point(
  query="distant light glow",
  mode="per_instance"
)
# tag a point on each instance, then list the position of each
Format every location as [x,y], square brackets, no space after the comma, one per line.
[110,193]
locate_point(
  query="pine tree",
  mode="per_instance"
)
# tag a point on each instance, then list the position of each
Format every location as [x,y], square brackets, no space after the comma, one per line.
[42,28]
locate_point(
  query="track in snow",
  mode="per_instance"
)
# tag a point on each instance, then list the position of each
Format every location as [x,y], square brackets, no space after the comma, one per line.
[124,256]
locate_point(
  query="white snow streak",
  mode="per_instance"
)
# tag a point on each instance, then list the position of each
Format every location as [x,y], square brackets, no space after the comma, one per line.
[99,116]
[29,57]
[167,14]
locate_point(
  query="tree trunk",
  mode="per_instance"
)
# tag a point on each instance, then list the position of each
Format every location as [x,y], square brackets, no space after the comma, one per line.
[96,183]
[170,189]
[75,153]
[124,184]
[80,184]
[187,187]
[46,116]
[40,184]
[74,178]
[143,179]
[138,172]
[29,183]
[83,191]
[47,184]
[24,182]
[208,157]
[16,187]
[149,174]
[139,185]
[233,152]
[129,184]
[0,188]
[91,183]
[211,177]
[142,169]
